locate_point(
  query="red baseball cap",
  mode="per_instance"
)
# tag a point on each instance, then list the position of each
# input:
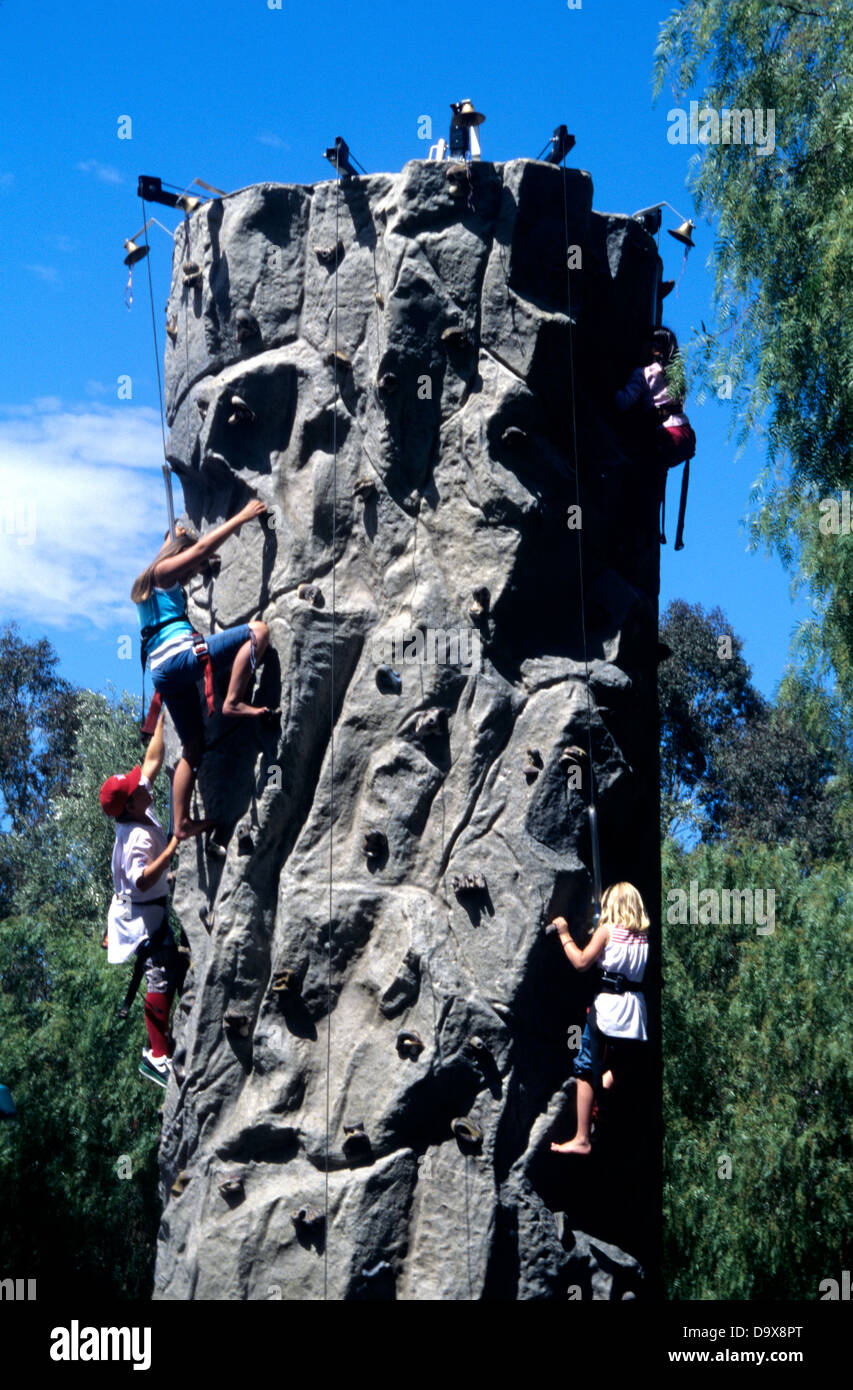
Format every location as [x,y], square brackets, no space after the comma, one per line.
[116,791]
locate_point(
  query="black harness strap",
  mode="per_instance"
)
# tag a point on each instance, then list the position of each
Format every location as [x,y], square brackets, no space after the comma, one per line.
[149,632]
[612,982]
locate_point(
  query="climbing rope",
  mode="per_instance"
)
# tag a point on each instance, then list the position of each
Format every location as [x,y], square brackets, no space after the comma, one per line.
[188,258]
[167,472]
[592,810]
[435,1017]
[332,730]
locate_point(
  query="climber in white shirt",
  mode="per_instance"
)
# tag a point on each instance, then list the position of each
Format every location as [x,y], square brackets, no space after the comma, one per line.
[138,921]
[620,947]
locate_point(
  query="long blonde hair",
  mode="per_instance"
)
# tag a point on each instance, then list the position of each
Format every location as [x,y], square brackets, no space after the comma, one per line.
[622,906]
[144,582]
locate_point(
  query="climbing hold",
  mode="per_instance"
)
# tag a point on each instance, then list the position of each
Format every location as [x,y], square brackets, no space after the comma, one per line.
[307,1219]
[468,885]
[468,1135]
[477,1046]
[455,337]
[431,722]
[236,1024]
[245,843]
[340,359]
[375,846]
[245,326]
[571,756]
[380,299]
[480,607]
[180,1183]
[365,488]
[213,849]
[202,404]
[285,982]
[172,325]
[410,1045]
[310,593]
[388,383]
[534,764]
[390,682]
[241,414]
[513,437]
[328,255]
[206,915]
[191,274]
[356,1142]
[457,181]
[232,1189]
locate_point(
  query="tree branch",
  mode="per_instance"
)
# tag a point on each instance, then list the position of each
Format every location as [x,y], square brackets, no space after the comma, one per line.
[795,9]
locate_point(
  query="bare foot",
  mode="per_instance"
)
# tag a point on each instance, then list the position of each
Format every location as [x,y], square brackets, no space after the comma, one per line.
[607,1080]
[573,1146]
[188,828]
[239,707]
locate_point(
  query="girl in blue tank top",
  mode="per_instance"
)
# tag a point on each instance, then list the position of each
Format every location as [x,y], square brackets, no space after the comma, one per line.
[179,658]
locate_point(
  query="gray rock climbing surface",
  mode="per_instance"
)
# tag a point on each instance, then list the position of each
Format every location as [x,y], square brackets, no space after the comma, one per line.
[428,337]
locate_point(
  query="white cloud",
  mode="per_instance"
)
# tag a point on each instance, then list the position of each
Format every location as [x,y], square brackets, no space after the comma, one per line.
[82,511]
[105,172]
[48,273]
[267,137]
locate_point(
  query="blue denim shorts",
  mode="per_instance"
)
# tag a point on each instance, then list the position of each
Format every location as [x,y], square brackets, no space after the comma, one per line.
[177,679]
[587,1064]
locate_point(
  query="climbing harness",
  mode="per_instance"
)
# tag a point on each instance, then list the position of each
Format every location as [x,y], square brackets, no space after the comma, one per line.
[612,982]
[202,655]
[592,811]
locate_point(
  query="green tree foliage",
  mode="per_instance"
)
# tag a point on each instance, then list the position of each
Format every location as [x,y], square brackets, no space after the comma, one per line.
[783,263]
[756,1070]
[732,764]
[85,1117]
[37,726]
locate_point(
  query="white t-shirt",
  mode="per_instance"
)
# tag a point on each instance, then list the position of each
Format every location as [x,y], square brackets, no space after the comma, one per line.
[623,1015]
[130,921]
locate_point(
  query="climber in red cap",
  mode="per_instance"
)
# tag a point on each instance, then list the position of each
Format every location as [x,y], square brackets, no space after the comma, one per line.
[180,658]
[138,921]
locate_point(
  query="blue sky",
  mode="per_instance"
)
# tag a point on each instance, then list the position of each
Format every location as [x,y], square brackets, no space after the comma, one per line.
[237,93]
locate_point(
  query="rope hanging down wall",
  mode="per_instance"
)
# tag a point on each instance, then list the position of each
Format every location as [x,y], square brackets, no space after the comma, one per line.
[592,810]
